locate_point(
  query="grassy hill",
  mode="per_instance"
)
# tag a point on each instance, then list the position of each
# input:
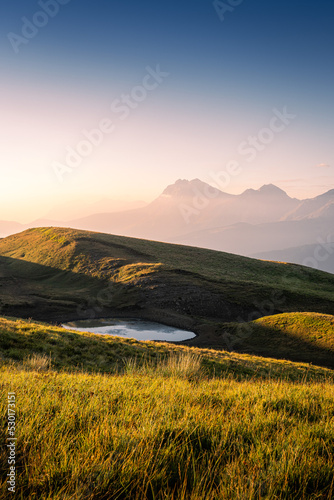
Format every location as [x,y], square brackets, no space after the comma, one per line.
[64,269]
[73,350]
[305,337]
[161,421]
[55,274]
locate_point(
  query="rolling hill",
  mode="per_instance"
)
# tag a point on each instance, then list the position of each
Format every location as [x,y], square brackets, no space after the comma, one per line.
[58,274]
[302,337]
[72,350]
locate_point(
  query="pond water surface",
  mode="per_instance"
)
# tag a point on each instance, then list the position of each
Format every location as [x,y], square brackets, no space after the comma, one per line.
[131,328]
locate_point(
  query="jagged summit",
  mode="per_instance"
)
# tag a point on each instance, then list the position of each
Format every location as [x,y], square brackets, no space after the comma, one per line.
[183,188]
[271,189]
[266,189]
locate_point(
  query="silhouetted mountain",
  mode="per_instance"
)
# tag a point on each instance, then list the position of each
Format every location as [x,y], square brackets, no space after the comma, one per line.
[184,189]
[320,206]
[269,190]
[181,204]
[188,206]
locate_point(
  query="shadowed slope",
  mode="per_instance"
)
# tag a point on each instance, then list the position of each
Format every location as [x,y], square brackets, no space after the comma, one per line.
[302,337]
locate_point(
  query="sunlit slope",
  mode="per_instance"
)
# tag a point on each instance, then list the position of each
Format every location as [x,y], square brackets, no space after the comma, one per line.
[305,337]
[55,272]
[21,340]
[316,328]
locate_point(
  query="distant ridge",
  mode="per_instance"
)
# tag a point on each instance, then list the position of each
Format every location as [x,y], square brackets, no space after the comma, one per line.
[183,188]
[188,206]
[267,190]
[195,213]
[320,206]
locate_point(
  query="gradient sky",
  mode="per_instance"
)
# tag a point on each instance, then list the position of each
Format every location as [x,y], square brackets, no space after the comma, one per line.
[225,79]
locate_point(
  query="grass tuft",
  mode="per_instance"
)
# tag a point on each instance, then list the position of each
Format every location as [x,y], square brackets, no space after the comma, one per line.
[183,364]
[38,362]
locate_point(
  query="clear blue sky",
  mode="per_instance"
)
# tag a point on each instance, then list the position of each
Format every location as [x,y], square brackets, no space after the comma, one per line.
[225,78]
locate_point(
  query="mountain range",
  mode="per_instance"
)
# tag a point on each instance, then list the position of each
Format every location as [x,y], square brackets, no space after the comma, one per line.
[265,223]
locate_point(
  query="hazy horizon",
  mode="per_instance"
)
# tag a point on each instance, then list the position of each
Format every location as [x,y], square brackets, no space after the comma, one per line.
[76,209]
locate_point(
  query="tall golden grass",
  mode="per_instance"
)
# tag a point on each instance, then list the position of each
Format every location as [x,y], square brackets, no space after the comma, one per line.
[167,430]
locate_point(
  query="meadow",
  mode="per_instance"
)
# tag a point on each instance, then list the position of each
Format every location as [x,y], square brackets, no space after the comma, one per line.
[140,420]
[106,418]
[57,270]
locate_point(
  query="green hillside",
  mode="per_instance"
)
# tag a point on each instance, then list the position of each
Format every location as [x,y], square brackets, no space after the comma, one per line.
[73,350]
[56,273]
[305,337]
[161,421]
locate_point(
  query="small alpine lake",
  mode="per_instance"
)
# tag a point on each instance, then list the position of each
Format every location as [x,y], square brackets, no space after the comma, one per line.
[131,328]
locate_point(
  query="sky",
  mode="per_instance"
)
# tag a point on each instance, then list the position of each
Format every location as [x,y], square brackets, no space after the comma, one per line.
[113,99]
